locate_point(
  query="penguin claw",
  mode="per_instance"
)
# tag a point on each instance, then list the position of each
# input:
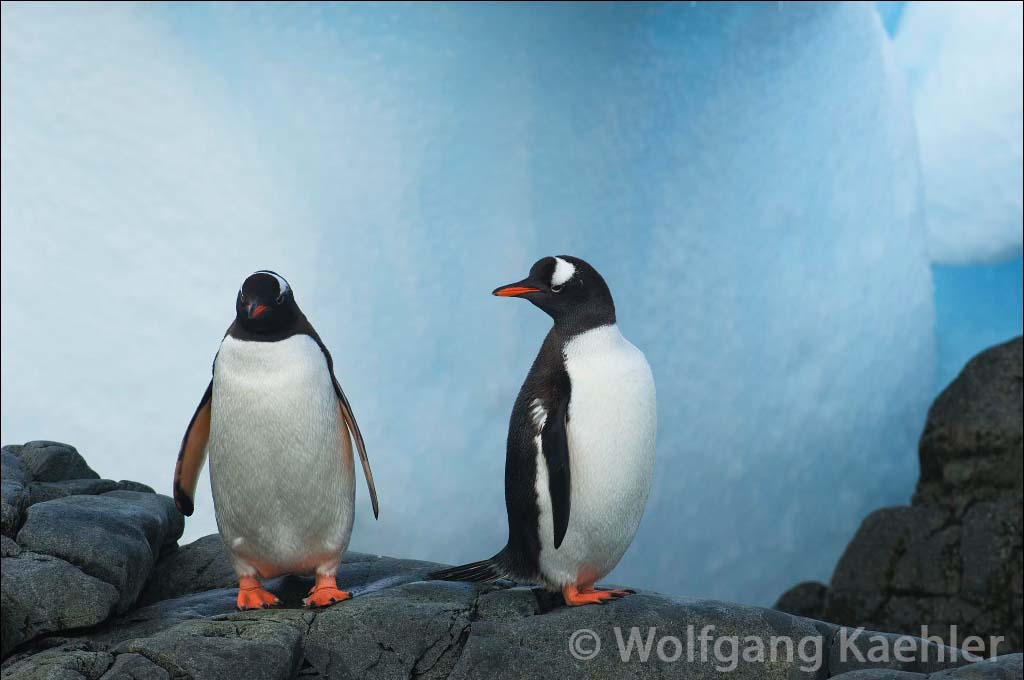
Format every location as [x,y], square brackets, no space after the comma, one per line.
[581,595]
[325,592]
[619,593]
[251,595]
[325,597]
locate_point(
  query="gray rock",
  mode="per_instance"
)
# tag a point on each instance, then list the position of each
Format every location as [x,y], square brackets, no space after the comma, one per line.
[880,674]
[396,626]
[47,461]
[955,557]
[645,635]
[8,548]
[971,448]
[360,573]
[135,667]
[804,599]
[412,630]
[199,566]
[13,615]
[40,492]
[10,467]
[13,494]
[14,499]
[991,549]
[204,565]
[223,649]
[856,649]
[921,564]
[115,537]
[148,621]
[944,563]
[862,581]
[1006,667]
[43,594]
[438,629]
[128,485]
[503,605]
[70,662]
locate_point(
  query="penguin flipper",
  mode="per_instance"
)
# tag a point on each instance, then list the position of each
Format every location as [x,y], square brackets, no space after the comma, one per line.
[348,420]
[555,444]
[192,454]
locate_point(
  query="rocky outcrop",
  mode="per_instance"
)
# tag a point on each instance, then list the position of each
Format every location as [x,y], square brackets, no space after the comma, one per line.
[197,567]
[95,587]
[804,599]
[399,625]
[76,549]
[44,461]
[953,557]
[970,450]
[1008,667]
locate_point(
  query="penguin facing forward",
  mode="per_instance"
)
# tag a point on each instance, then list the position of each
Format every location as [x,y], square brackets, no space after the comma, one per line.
[278,430]
[581,439]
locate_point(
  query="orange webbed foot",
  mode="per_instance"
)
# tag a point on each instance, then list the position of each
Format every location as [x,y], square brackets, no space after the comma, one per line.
[325,593]
[251,595]
[576,596]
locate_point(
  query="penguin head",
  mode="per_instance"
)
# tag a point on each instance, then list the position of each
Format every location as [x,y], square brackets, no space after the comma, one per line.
[265,303]
[568,289]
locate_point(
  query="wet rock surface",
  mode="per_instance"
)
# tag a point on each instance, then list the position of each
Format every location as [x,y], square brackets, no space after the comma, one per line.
[954,556]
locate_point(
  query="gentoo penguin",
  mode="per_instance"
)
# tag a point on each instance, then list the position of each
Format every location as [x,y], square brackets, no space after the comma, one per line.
[277,427]
[580,448]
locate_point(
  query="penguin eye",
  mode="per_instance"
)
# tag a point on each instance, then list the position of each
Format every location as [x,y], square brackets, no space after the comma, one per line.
[556,289]
[280,298]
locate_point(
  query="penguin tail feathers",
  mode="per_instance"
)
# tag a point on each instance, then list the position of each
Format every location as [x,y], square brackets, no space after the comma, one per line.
[484,571]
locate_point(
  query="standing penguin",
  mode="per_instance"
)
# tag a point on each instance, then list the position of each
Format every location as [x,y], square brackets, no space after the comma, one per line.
[580,449]
[277,427]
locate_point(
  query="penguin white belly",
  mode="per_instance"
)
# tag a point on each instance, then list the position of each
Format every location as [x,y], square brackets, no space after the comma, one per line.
[611,436]
[281,466]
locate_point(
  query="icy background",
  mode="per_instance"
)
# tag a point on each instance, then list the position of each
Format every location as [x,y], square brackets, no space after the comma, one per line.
[963,67]
[962,63]
[746,177]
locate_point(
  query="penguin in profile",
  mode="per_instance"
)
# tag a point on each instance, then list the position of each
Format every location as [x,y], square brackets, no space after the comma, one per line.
[278,429]
[580,450]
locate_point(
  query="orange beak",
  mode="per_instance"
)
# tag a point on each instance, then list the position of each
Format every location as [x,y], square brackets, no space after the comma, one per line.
[514,290]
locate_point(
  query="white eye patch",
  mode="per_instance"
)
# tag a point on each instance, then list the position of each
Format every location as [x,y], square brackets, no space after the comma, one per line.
[563,272]
[282,285]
